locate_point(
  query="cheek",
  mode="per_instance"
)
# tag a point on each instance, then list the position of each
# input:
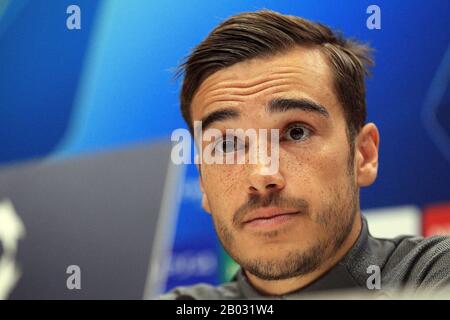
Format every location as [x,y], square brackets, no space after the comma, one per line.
[314,171]
[222,184]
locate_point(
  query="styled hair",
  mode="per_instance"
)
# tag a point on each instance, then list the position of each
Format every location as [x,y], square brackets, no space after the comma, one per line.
[265,33]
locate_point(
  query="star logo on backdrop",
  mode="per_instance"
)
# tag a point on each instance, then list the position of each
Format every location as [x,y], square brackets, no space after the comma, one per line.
[11,231]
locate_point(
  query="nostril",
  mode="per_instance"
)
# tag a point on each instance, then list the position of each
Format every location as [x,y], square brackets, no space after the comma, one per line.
[271,186]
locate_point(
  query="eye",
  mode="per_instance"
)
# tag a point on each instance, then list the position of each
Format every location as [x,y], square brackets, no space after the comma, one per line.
[228,145]
[297,132]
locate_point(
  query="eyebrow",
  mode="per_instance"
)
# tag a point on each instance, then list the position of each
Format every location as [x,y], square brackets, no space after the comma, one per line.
[275,106]
[219,115]
[283,105]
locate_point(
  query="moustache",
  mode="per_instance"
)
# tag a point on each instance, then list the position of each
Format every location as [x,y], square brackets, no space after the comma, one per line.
[272,200]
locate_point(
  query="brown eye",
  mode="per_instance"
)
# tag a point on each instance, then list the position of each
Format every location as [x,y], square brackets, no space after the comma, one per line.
[297,132]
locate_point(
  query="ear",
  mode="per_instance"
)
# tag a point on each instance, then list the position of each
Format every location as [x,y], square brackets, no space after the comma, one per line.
[205,202]
[367,143]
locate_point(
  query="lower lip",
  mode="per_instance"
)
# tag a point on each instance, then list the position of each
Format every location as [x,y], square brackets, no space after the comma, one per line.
[271,222]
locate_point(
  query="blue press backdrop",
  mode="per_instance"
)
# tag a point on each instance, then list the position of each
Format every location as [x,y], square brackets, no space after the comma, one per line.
[68,92]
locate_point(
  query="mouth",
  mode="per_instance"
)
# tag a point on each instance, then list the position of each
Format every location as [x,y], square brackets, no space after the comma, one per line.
[269,217]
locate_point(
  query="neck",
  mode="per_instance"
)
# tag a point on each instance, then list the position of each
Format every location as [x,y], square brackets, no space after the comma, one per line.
[280,287]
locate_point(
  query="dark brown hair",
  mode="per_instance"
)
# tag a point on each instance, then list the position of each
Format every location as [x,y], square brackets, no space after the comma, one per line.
[265,33]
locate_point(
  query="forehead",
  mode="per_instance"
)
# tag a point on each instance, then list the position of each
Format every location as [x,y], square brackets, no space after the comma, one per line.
[302,72]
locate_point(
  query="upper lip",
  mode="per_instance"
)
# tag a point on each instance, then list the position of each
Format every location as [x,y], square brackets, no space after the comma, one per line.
[267,213]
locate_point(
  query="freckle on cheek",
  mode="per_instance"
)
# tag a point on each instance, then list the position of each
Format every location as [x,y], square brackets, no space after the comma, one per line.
[231,181]
[298,165]
[221,180]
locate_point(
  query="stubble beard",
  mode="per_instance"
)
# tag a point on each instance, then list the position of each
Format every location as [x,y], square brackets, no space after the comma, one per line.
[337,219]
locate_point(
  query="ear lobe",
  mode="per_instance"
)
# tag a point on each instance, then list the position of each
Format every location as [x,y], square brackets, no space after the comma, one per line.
[367,145]
[205,203]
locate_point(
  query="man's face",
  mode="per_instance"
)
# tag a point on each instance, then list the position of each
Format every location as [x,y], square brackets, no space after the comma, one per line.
[287,223]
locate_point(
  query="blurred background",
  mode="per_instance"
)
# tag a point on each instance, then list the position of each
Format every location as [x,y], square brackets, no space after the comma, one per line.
[87,108]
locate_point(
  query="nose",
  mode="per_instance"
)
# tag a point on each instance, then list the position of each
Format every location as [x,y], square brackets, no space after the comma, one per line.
[261,183]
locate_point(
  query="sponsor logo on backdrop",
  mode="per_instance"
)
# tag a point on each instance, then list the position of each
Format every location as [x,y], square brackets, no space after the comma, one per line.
[436,220]
[390,222]
[11,231]
[187,264]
